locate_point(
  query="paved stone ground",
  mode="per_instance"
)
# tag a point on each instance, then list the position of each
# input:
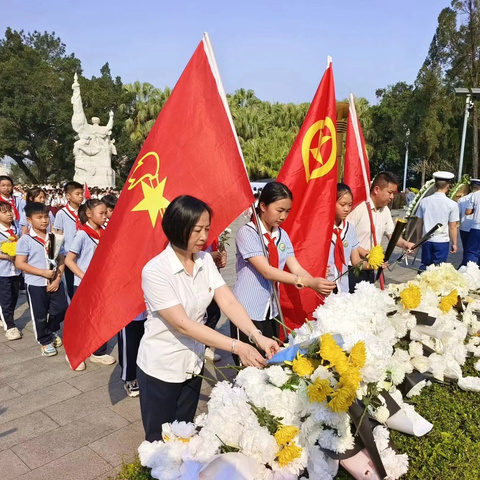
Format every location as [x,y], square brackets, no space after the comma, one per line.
[57,423]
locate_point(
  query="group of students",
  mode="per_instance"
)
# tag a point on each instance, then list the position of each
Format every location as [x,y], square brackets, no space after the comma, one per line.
[50,283]
[180,284]
[183,286]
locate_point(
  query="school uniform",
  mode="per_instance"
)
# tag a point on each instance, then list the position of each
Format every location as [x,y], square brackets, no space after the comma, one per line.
[436,208]
[344,242]
[472,252]
[168,360]
[251,289]
[84,244]
[128,344]
[9,284]
[465,220]
[46,308]
[66,220]
[18,204]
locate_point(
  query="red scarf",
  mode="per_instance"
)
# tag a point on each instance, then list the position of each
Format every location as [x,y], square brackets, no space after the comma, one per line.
[339,253]
[74,214]
[272,251]
[88,229]
[12,233]
[11,201]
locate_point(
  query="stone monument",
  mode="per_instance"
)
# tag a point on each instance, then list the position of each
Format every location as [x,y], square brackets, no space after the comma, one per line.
[94,148]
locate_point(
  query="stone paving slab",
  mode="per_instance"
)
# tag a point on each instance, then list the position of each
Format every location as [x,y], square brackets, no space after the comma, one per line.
[7,392]
[12,466]
[25,428]
[38,400]
[14,372]
[82,464]
[127,439]
[92,379]
[70,437]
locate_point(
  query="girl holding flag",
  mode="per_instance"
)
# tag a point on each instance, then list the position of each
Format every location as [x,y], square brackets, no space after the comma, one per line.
[255,273]
[92,215]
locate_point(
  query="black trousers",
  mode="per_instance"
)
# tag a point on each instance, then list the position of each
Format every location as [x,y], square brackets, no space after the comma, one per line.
[269,328]
[103,349]
[69,280]
[128,343]
[9,288]
[47,310]
[213,315]
[162,402]
[365,276]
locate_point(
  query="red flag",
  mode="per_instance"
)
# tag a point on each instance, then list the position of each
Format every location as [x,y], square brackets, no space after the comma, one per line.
[310,171]
[86,192]
[356,177]
[192,149]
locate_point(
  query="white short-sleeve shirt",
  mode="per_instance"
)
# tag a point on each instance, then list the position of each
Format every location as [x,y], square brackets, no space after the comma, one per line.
[164,352]
[438,208]
[382,219]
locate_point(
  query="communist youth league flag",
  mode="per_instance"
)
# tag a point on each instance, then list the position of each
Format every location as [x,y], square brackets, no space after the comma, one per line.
[192,149]
[357,168]
[310,171]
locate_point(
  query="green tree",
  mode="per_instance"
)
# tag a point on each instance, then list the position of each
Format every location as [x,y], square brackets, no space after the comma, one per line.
[35,78]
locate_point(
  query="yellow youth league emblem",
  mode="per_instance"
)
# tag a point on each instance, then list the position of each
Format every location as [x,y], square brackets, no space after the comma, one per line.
[312,144]
[146,173]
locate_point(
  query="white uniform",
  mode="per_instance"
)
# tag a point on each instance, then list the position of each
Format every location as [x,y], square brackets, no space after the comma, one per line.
[465,220]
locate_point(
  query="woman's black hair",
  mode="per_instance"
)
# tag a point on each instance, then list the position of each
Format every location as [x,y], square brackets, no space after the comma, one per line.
[180,218]
[342,189]
[273,192]
[88,205]
[33,193]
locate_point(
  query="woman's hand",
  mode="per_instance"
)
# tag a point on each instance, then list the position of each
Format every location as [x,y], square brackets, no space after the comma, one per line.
[268,345]
[249,356]
[320,285]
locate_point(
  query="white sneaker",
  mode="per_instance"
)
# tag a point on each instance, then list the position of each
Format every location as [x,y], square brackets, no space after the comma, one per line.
[211,356]
[13,334]
[103,359]
[80,368]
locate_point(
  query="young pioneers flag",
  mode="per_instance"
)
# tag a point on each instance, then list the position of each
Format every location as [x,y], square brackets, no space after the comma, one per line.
[357,168]
[310,171]
[192,149]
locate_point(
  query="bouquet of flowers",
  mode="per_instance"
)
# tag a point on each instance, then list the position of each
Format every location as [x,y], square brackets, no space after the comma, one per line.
[9,246]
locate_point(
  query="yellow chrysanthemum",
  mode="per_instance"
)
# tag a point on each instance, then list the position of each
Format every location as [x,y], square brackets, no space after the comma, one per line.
[9,248]
[285,434]
[448,302]
[358,355]
[319,390]
[288,454]
[342,398]
[411,297]
[376,257]
[302,366]
[331,352]
[351,377]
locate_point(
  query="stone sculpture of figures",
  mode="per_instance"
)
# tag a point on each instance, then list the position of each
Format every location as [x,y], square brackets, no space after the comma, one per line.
[94,148]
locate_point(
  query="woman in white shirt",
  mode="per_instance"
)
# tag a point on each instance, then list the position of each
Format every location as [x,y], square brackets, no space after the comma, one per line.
[178,285]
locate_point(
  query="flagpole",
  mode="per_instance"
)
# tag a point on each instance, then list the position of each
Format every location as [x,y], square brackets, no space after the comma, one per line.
[353,113]
[221,91]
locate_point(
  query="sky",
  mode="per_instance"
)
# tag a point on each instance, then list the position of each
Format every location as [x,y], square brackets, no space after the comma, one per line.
[276,48]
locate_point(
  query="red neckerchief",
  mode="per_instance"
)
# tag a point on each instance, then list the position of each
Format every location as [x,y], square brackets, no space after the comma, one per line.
[40,240]
[90,231]
[272,251]
[74,214]
[11,201]
[339,252]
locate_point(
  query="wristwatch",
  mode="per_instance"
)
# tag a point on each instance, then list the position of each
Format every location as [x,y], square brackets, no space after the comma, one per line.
[299,282]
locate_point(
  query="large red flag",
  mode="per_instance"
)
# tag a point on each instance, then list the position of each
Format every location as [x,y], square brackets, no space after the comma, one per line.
[192,149]
[356,176]
[310,171]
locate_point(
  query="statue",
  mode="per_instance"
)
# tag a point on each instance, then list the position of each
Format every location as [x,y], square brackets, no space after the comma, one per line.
[94,148]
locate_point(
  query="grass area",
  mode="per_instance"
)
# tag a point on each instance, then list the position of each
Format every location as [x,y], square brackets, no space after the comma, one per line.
[451,451]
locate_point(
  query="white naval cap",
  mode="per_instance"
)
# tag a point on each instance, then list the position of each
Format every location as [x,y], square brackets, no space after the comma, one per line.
[443,176]
[475,181]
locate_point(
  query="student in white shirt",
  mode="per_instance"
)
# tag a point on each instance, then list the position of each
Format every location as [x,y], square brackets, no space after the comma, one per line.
[382,191]
[178,285]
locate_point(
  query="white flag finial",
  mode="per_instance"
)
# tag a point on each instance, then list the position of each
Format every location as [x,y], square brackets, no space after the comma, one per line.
[329,60]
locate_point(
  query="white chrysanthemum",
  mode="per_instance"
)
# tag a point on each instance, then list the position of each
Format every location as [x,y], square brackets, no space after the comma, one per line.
[422,364]
[321,466]
[183,429]
[381,414]
[415,349]
[395,465]
[472,274]
[471,384]
[477,366]
[259,444]
[278,375]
